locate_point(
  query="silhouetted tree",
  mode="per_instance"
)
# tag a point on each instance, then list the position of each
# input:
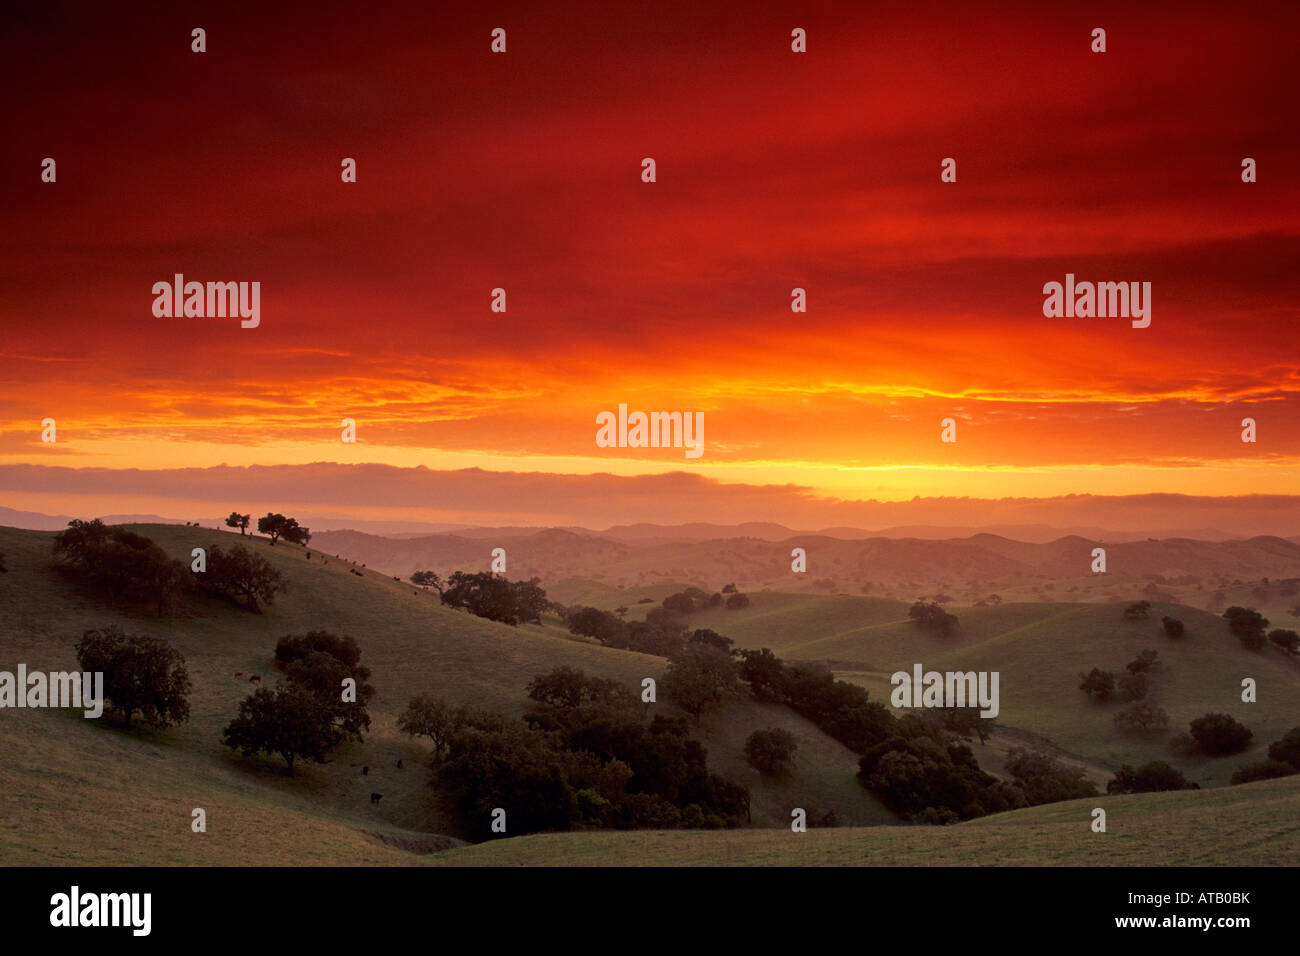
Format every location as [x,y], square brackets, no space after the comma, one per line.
[931,617]
[1287,749]
[289,720]
[495,598]
[1151,777]
[764,673]
[240,574]
[121,562]
[705,635]
[236,520]
[427,579]
[1248,625]
[1098,684]
[1220,734]
[278,526]
[1287,640]
[569,687]
[432,717]
[144,674]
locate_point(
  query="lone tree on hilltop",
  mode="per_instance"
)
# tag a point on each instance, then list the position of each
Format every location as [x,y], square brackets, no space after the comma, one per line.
[236,520]
[144,674]
[278,526]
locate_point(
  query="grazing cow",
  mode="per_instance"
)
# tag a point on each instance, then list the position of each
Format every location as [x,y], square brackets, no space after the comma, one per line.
[239,673]
[399,765]
[364,771]
[356,572]
[255,678]
[376,797]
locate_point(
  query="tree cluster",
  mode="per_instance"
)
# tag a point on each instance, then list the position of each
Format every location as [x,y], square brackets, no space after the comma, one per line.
[1283,760]
[320,704]
[1151,777]
[584,759]
[120,562]
[488,595]
[1247,625]
[933,618]
[1102,686]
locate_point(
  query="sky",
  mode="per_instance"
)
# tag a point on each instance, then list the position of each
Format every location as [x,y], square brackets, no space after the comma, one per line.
[774,170]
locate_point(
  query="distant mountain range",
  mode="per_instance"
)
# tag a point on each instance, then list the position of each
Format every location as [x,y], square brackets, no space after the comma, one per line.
[644,533]
[759,553]
[556,554]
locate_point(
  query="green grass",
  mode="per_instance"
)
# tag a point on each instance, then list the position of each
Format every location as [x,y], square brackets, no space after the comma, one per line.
[81,791]
[1039,663]
[1253,825]
[128,797]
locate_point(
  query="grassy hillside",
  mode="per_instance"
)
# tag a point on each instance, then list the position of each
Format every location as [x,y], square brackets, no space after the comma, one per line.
[74,790]
[1039,650]
[128,797]
[1254,825]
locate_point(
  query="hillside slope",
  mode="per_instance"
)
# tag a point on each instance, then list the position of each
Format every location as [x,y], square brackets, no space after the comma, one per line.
[1256,824]
[121,797]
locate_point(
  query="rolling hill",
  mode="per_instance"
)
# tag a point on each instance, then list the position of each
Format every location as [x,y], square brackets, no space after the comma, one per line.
[73,790]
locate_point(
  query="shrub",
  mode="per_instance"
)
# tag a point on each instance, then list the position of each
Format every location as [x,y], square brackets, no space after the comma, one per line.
[1220,734]
[1149,778]
[771,751]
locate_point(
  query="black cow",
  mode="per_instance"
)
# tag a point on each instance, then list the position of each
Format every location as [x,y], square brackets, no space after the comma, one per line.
[376,797]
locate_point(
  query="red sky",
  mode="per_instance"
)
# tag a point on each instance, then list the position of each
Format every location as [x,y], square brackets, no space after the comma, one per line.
[775,170]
